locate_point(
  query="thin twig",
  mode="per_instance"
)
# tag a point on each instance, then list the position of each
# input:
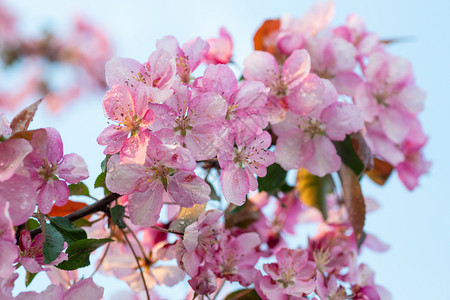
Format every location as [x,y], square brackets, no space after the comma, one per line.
[166,230]
[101,205]
[138,263]
[139,244]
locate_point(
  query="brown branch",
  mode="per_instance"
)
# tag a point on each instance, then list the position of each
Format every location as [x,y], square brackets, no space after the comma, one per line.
[100,205]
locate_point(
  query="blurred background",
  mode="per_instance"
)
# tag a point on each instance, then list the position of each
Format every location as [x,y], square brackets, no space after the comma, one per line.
[415,224]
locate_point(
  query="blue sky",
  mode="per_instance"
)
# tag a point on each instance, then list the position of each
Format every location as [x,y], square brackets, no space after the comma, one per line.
[415,224]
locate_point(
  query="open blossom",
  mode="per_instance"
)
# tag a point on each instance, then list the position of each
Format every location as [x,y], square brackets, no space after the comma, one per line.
[195,120]
[282,80]
[292,275]
[236,258]
[220,48]
[198,240]
[167,174]
[188,57]
[389,95]
[133,116]
[246,115]
[305,140]
[240,165]
[8,248]
[47,162]
[154,78]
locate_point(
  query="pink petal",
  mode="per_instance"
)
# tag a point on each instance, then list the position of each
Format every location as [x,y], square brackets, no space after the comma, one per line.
[9,253]
[261,66]
[121,71]
[235,185]
[168,275]
[118,103]
[325,159]
[291,151]
[188,189]
[346,83]
[220,79]
[123,178]
[53,190]
[251,96]
[21,204]
[84,289]
[47,143]
[395,123]
[13,151]
[341,119]
[145,207]
[196,50]
[134,149]
[72,168]
[296,67]
[113,137]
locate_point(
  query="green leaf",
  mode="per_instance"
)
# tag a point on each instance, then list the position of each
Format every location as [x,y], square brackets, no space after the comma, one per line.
[82,223]
[104,163]
[348,155]
[117,213]
[100,181]
[53,244]
[244,294]
[314,189]
[273,180]
[69,232]
[79,253]
[29,278]
[78,189]
[32,224]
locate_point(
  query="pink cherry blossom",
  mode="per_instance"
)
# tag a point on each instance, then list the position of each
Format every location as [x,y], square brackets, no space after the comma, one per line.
[196,120]
[155,77]
[198,240]
[46,161]
[163,176]
[305,141]
[240,165]
[292,275]
[188,57]
[236,258]
[282,80]
[220,48]
[130,137]
[13,153]
[246,115]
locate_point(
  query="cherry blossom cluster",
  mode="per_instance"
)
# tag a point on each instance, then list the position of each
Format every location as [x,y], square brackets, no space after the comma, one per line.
[328,103]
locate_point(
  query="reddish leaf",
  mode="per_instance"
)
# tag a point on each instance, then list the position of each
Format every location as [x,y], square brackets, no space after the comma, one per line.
[362,150]
[268,27]
[353,199]
[69,207]
[380,172]
[23,119]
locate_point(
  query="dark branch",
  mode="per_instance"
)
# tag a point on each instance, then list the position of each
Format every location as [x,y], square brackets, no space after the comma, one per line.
[100,205]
